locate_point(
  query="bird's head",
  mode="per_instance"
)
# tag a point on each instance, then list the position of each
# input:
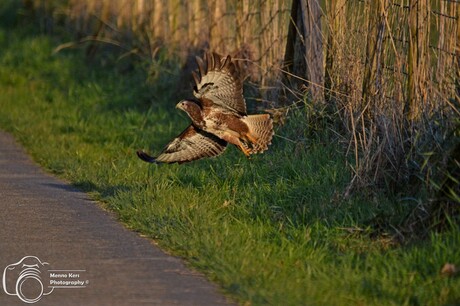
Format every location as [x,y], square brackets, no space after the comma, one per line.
[188,105]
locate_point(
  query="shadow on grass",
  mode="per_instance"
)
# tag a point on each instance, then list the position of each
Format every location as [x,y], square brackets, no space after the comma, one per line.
[84,187]
[103,191]
[62,186]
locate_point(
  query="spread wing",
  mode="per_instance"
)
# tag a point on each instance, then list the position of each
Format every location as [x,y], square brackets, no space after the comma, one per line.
[191,144]
[218,81]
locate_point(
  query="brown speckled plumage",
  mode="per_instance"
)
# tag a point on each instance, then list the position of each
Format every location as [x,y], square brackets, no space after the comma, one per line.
[218,116]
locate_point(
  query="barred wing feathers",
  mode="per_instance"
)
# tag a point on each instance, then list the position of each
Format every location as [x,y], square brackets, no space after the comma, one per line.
[191,144]
[218,81]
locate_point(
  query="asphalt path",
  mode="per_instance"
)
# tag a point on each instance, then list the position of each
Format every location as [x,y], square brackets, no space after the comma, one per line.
[57,247]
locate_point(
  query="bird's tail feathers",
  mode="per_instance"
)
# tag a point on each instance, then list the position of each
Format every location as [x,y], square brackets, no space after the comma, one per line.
[260,132]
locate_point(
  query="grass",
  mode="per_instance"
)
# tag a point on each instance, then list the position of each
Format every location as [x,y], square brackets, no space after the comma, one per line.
[270,230]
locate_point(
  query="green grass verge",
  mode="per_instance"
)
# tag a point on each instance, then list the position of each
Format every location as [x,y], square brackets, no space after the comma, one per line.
[270,230]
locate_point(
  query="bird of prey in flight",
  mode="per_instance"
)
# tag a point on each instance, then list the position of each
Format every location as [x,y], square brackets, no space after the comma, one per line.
[218,115]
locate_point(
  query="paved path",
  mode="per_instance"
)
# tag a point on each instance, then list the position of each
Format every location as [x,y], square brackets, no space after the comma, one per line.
[44,217]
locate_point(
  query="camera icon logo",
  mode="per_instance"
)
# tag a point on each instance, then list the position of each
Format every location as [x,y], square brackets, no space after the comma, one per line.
[24,279]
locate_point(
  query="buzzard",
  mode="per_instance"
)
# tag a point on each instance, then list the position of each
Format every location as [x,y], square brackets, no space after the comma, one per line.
[218,114]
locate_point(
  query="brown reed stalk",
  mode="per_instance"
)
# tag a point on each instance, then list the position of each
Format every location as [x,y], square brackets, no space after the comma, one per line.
[218,10]
[456,64]
[335,39]
[418,61]
[374,60]
[160,22]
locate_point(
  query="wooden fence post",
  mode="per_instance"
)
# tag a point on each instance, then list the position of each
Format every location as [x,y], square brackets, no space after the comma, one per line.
[304,48]
[311,13]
